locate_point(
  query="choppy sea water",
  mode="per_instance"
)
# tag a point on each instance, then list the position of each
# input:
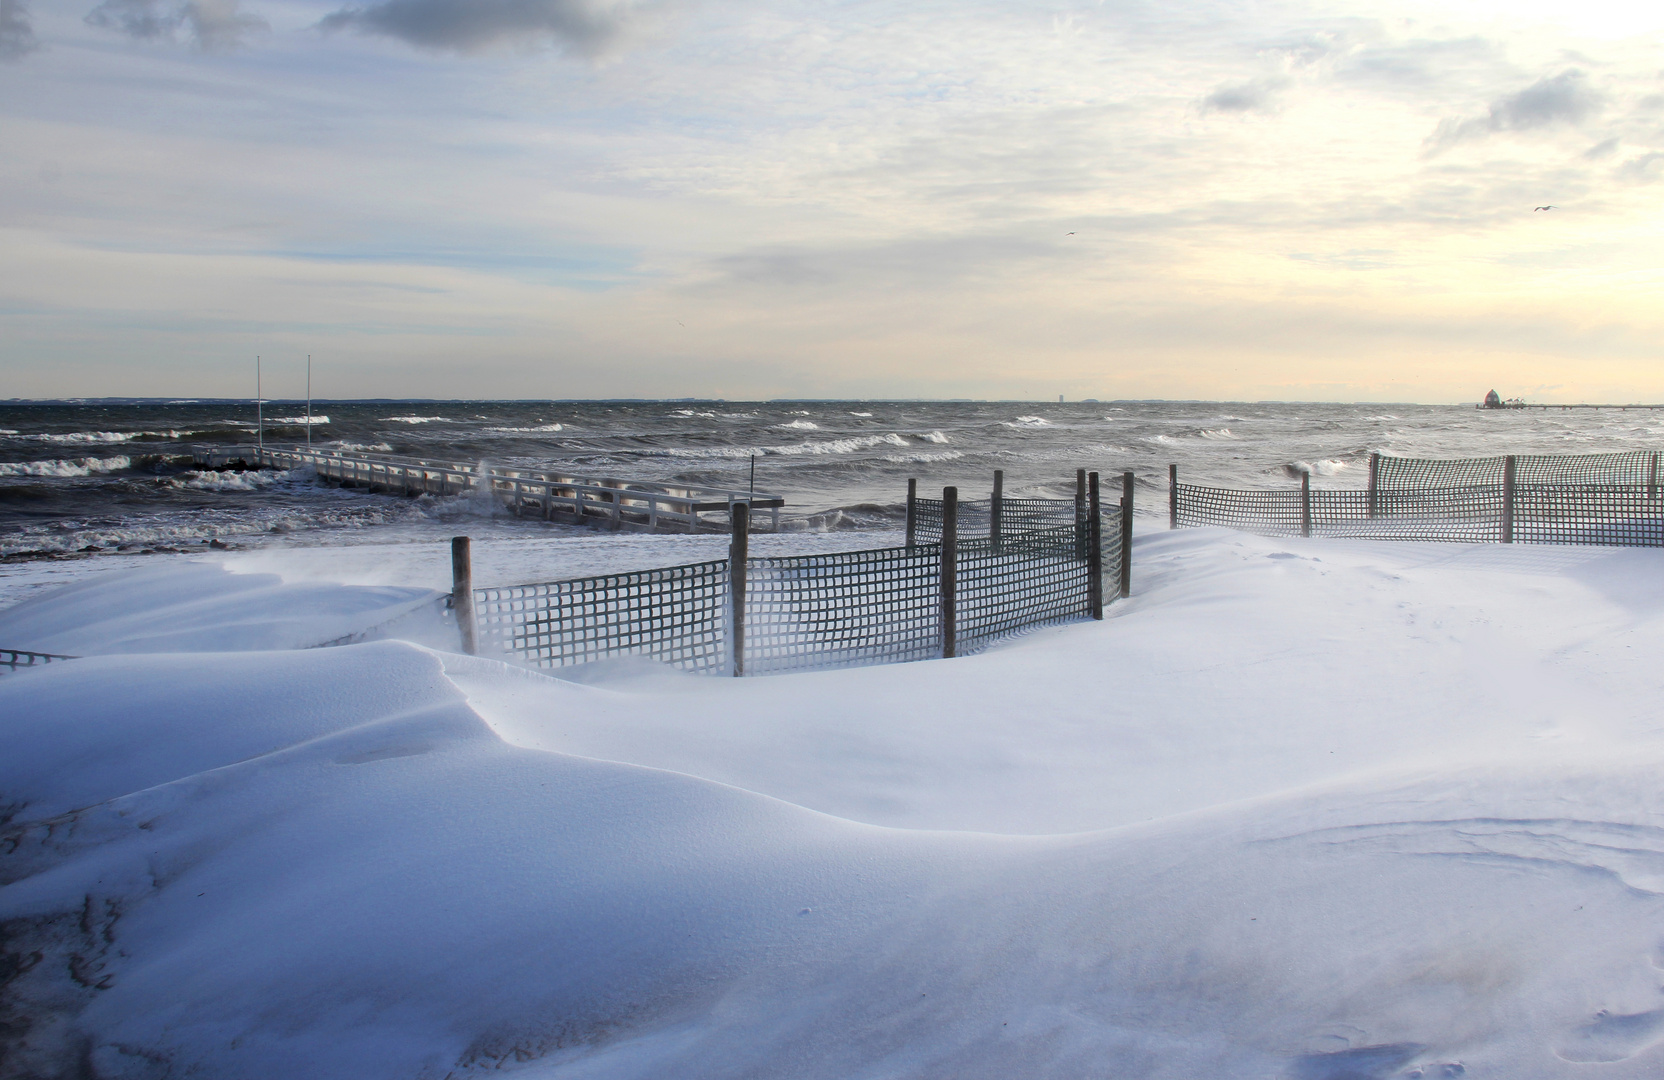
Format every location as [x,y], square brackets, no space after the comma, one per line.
[116,475]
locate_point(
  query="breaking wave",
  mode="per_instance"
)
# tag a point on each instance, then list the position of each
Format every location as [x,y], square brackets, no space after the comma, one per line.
[88,438]
[67,469]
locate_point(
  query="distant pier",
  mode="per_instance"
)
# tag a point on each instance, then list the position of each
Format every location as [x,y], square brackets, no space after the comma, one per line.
[1493,400]
[559,497]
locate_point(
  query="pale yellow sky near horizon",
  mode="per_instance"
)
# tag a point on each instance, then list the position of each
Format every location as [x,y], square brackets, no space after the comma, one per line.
[586,199]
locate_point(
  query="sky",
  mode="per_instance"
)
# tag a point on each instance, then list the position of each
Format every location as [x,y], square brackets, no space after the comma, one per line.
[833,198]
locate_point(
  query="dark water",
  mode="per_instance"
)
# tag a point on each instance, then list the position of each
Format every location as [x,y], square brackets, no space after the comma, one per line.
[116,474]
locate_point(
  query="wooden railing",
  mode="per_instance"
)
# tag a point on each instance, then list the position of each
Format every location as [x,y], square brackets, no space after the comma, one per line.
[553,496]
[12,659]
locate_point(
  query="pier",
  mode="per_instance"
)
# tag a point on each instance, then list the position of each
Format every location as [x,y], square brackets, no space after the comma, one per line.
[552,496]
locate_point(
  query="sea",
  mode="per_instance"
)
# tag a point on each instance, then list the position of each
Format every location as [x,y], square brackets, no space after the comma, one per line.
[89,477]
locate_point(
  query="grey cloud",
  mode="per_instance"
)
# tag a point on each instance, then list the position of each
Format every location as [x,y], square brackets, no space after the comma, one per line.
[17,36]
[1555,100]
[210,25]
[586,26]
[1603,149]
[1644,169]
[1417,63]
[1243,97]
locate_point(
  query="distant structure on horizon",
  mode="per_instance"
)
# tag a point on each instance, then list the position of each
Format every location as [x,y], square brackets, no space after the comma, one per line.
[1493,400]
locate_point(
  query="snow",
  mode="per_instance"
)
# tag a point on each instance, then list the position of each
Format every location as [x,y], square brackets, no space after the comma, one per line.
[1305,809]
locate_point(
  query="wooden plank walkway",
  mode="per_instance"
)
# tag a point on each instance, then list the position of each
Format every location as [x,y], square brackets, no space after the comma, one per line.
[603,502]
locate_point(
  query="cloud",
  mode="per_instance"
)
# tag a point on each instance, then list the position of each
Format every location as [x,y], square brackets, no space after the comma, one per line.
[1253,96]
[1644,169]
[1563,99]
[210,25]
[17,36]
[467,26]
[1603,149]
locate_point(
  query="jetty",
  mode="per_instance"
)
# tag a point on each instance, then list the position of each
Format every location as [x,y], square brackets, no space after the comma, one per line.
[602,502]
[1494,401]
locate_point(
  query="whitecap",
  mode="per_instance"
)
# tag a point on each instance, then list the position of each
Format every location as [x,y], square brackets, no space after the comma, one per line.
[1027,421]
[540,427]
[801,425]
[861,414]
[65,469]
[935,437]
[923,458]
[302,420]
[79,438]
[417,419]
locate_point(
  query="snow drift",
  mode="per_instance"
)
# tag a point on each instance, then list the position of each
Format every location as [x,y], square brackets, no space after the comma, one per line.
[1312,810]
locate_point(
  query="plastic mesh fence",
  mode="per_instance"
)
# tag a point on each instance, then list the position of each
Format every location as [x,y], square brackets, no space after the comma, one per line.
[852,607]
[676,615]
[975,517]
[1609,499]
[1028,580]
[1617,515]
[806,611]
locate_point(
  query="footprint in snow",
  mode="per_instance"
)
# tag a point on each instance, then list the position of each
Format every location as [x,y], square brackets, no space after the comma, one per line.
[1613,1037]
[1359,1063]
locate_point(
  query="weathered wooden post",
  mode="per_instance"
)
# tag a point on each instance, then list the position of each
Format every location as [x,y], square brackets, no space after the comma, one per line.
[950,570]
[1127,536]
[996,509]
[1305,504]
[1080,513]
[912,508]
[1508,499]
[462,594]
[1172,496]
[1095,550]
[1652,478]
[738,553]
[1374,479]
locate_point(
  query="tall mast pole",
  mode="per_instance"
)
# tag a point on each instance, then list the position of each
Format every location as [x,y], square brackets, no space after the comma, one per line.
[259,408]
[309,401]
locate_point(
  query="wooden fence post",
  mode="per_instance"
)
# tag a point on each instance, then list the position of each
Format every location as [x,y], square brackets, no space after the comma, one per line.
[1173,495]
[912,508]
[996,509]
[738,553]
[1508,499]
[950,570]
[1305,504]
[1374,480]
[1094,550]
[1080,513]
[1652,478]
[1126,534]
[462,594]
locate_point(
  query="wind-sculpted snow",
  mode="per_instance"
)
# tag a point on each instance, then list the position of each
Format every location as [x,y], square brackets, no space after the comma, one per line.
[202,607]
[383,861]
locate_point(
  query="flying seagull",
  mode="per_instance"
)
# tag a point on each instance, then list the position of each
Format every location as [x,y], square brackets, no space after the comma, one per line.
[1545,208]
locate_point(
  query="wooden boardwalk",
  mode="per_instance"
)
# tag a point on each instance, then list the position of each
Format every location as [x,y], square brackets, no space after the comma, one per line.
[552,496]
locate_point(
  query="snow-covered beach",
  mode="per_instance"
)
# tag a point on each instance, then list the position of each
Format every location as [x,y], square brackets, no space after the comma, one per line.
[1315,809]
